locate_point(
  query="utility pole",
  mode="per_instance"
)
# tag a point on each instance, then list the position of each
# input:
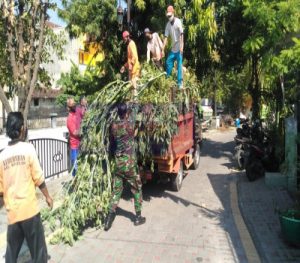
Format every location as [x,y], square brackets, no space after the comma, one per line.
[215,93]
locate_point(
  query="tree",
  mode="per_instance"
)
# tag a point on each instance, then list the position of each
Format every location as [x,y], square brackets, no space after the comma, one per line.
[5,70]
[100,22]
[271,24]
[25,44]
[200,27]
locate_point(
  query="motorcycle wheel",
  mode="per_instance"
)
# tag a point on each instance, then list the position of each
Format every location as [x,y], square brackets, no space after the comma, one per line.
[239,156]
[254,170]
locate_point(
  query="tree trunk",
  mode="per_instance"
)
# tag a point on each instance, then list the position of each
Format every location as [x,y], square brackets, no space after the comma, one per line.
[254,88]
[5,101]
[38,53]
[215,94]
[21,99]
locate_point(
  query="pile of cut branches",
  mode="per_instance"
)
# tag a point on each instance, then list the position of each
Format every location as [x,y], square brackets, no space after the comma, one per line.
[85,199]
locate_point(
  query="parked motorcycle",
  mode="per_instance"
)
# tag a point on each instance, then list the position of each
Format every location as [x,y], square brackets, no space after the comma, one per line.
[253,152]
[257,157]
[243,135]
[253,161]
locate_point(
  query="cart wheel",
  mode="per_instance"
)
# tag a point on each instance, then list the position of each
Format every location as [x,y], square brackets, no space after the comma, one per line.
[196,157]
[176,179]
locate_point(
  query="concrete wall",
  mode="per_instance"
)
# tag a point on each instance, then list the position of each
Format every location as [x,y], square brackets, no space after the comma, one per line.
[42,123]
[45,107]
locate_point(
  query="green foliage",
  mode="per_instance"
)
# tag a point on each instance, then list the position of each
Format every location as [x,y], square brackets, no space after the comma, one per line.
[78,83]
[99,21]
[85,200]
[5,69]
[272,21]
[198,18]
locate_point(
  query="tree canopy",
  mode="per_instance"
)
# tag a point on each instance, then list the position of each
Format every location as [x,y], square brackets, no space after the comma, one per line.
[234,47]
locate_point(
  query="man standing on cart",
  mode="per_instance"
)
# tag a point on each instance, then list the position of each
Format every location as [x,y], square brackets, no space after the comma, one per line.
[123,133]
[132,64]
[154,47]
[174,30]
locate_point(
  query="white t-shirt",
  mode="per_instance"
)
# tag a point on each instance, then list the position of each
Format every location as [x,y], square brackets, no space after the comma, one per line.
[155,46]
[174,30]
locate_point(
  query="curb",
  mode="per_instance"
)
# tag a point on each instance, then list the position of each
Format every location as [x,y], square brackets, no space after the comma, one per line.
[251,228]
[247,241]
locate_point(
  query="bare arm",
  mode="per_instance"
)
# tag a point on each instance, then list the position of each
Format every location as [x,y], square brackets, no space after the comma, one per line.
[148,55]
[160,43]
[181,43]
[165,43]
[45,192]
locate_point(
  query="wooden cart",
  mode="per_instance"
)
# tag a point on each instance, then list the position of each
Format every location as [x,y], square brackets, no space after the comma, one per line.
[183,152]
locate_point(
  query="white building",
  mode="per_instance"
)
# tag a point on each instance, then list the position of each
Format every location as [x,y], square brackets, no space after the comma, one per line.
[73,53]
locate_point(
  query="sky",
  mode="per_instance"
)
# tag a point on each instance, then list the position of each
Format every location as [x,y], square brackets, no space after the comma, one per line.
[54,17]
[56,20]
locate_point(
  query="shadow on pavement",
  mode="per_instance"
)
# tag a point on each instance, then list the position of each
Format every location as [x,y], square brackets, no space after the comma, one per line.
[220,183]
[221,186]
[162,191]
[217,150]
[125,213]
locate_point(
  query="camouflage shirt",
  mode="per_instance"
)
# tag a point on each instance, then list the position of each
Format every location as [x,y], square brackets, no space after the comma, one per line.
[123,137]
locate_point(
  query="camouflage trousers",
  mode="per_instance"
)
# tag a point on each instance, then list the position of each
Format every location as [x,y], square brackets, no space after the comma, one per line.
[126,170]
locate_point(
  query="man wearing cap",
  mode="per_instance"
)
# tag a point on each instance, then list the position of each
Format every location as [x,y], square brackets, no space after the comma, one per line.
[174,30]
[132,63]
[155,47]
[73,125]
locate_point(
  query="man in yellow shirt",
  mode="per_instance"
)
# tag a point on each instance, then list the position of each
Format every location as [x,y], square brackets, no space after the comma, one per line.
[133,64]
[20,174]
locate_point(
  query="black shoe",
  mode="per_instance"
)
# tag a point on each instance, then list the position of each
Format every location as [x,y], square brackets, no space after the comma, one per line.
[139,220]
[109,220]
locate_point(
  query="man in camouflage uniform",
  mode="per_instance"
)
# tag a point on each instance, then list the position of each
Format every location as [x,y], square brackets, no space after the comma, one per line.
[123,133]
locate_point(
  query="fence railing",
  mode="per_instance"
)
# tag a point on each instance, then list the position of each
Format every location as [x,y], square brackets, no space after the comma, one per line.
[53,155]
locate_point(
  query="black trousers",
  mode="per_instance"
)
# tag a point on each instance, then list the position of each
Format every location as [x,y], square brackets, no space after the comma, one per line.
[32,230]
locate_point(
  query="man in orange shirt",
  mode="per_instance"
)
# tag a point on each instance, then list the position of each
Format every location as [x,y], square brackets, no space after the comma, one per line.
[132,64]
[20,174]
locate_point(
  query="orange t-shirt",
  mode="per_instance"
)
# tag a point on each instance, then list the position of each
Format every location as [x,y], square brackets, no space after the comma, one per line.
[133,60]
[20,173]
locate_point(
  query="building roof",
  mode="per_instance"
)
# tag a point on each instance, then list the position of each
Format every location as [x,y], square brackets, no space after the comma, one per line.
[46,93]
[52,25]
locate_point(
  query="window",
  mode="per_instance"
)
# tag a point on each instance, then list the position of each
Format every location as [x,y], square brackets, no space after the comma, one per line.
[81,57]
[36,102]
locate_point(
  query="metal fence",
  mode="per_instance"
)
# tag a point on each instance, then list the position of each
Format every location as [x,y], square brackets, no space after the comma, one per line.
[53,155]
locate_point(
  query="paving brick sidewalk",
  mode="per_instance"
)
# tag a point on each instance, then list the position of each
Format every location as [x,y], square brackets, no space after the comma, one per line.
[258,203]
[194,225]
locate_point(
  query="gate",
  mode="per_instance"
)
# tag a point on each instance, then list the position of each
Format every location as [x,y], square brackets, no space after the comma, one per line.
[53,155]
